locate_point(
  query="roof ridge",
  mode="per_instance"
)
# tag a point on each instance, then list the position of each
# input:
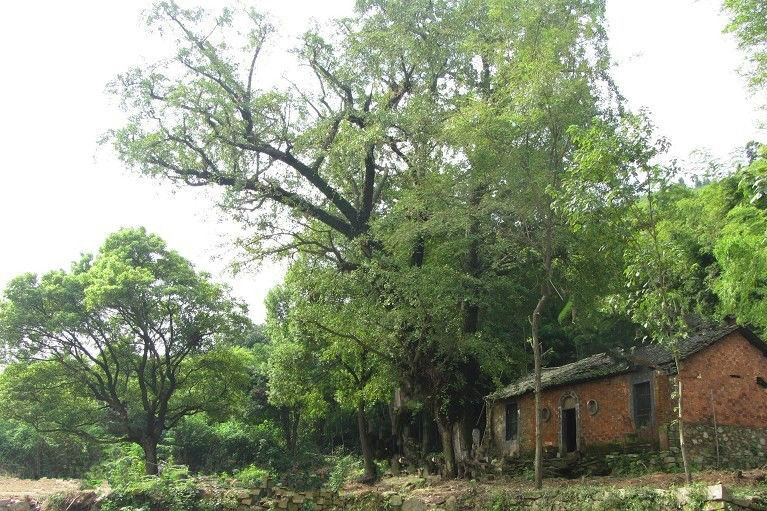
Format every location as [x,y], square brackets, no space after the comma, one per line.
[618,360]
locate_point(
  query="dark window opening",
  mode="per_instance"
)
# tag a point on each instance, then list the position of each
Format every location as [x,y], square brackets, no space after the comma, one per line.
[569,430]
[760,381]
[642,404]
[511,420]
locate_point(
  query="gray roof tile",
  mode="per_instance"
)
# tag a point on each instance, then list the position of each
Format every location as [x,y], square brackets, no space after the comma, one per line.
[616,362]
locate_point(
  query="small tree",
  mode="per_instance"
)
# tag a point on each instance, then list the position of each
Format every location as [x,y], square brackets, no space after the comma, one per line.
[121,347]
[616,179]
[313,315]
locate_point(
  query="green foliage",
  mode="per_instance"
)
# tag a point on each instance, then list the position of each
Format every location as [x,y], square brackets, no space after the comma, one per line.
[170,491]
[208,447]
[252,475]
[122,346]
[123,467]
[748,21]
[343,467]
[26,453]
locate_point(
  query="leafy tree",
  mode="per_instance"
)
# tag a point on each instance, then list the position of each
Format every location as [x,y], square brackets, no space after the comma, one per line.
[433,131]
[315,316]
[748,21]
[120,347]
[740,248]
[310,169]
[298,383]
[550,74]
[616,175]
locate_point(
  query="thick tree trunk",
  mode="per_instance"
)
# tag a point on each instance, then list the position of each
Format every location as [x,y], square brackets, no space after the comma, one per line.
[425,429]
[289,420]
[371,472]
[536,324]
[446,436]
[682,444]
[150,456]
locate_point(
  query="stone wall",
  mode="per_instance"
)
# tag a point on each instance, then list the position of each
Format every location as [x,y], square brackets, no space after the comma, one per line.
[276,497]
[712,498]
[564,498]
[739,447]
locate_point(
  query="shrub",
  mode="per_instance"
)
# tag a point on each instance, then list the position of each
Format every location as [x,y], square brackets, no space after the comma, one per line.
[123,466]
[252,475]
[345,466]
[210,448]
[172,490]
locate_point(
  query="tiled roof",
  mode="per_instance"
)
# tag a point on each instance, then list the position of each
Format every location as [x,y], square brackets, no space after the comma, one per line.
[603,365]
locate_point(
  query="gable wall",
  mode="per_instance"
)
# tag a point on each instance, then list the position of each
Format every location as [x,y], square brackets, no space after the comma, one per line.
[737,401]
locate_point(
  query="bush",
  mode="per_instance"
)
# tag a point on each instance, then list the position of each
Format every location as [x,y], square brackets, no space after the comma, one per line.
[123,466]
[252,475]
[342,469]
[154,493]
[172,490]
[28,454]
[210,448]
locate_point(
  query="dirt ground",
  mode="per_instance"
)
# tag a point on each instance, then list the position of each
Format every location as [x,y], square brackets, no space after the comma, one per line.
[433,490]
[36,490]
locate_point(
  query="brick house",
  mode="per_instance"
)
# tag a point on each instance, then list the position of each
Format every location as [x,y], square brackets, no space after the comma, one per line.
[623,400]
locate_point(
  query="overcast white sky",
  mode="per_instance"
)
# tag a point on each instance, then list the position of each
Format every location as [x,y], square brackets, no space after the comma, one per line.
[60,195]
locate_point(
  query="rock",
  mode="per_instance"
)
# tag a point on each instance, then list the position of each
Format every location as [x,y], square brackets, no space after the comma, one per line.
[451,504]
[15,505]
[395,500]
[413,504]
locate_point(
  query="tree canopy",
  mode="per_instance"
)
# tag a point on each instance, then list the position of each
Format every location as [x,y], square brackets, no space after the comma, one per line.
[120,347]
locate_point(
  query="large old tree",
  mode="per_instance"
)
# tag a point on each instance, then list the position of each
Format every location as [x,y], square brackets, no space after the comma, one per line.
[389,164]
[121,347]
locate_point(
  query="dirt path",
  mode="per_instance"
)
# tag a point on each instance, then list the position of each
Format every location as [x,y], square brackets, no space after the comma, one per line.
[36,490]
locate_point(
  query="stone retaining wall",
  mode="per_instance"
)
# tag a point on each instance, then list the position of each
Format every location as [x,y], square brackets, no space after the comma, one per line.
[277,497]
[712,498]
[739,447]
[20,504]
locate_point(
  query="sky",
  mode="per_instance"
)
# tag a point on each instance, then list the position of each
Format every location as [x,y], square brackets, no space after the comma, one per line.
[61,194]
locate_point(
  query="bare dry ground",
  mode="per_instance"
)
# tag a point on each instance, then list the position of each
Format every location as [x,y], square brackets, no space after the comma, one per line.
[36,490]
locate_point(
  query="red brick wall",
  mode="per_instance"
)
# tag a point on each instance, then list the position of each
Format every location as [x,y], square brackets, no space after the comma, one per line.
[612,424]
[738,401]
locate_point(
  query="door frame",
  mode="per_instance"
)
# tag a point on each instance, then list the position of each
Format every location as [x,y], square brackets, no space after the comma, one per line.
[573,397]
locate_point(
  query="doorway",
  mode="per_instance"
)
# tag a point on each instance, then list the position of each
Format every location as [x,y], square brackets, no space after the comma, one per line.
[569,430]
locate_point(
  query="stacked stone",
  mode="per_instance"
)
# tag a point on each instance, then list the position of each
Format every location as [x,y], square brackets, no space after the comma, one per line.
[267,497]
[24,504]
[739,447]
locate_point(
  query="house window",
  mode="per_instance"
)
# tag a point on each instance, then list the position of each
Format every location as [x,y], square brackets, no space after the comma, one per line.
[511,420]
[642,404]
